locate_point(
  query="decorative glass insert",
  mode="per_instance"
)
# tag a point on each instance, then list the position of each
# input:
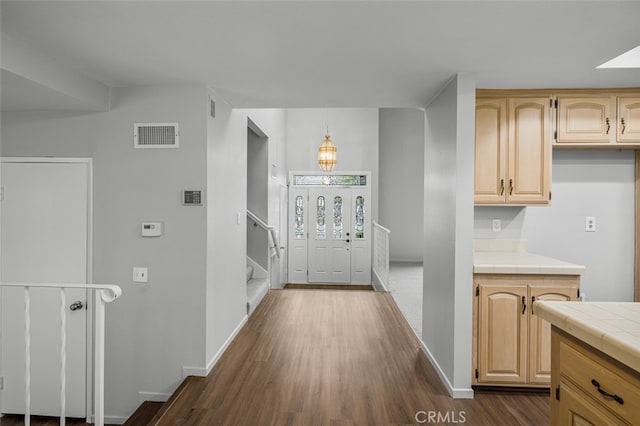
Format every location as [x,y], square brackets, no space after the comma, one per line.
[330,180]
[337,217]
[321,232]
[299,231]
[359,217]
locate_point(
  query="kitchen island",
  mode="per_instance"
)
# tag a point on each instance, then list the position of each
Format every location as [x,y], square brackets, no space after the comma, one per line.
[595,361]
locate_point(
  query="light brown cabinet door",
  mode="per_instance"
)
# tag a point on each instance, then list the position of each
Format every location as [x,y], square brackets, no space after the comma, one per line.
[502,334]
[577,409]
[490,151]
[529,163]
[629,119]
[540,333]
[586,119]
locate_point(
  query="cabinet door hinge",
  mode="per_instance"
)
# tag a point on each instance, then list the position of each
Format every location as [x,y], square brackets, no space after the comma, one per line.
[477,290]
[549,195]
[578,294]
[558,393]
[555,135]
[555,103]
[477,374]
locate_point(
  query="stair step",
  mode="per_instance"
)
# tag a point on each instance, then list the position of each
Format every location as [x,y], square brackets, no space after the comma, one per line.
[189,388]
[144,413]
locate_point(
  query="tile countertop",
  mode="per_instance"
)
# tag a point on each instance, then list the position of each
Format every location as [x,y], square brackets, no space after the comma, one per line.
[521,262]
[611,327]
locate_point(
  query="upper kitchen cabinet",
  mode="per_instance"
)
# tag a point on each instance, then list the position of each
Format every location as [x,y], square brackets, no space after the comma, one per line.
[597,118]
[513,151]
[586,119]
[629,119]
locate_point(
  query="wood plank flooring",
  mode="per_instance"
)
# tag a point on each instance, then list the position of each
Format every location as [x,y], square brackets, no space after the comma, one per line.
[326,357]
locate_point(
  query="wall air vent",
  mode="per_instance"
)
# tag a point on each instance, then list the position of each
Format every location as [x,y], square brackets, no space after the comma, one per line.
[156,135]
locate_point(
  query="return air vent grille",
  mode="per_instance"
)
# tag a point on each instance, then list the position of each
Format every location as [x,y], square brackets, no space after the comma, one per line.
[156,135]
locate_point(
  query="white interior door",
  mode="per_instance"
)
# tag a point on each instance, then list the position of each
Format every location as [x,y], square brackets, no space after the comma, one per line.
[329,235]
[45,224]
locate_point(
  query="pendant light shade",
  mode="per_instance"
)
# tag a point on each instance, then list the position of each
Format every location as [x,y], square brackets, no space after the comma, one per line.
[327,154]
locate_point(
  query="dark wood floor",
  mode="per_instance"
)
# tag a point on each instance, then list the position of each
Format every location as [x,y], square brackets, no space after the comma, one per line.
[328,357]
[325,357]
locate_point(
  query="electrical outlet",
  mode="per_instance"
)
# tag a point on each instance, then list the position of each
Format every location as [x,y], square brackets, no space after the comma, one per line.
[140,274]
[590,224]
[496,225]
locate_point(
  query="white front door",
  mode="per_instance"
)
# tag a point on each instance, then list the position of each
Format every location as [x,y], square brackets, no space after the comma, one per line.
[45,222]
[329,235]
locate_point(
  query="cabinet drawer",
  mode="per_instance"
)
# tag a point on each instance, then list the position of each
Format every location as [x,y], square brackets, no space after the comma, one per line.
[590,371]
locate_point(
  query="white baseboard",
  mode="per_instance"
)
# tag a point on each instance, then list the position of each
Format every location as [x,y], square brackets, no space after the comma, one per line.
[456,393]
[258,271]
[153,397]
[113,420]
[204,372]
[378,284]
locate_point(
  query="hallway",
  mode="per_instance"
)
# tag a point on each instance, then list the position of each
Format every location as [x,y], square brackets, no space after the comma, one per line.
[339,357]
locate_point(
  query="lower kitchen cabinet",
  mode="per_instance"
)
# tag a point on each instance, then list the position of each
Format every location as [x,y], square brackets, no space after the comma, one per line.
[589,387]
[512,346]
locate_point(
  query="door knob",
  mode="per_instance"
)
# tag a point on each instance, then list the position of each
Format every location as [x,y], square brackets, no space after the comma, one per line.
[76,305]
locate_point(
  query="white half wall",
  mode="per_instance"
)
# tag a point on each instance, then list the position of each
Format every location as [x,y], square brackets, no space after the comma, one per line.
[585,183]
[448,230]
[401,195]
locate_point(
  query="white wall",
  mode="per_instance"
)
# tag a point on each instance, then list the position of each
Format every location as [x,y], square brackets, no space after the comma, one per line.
[154,329]
[257,174]
[354,131]
[585,183]
[401,195]
[448,226]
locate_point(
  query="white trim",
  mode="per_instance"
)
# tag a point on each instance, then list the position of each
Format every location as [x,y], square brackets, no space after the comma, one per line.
[153,397]
[46,160]
[377,282]
[89,249]
[204,372]
[456,393]
[112,420]
[258,271]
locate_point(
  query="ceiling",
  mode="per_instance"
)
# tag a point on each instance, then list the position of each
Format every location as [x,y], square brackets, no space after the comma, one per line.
[327,53]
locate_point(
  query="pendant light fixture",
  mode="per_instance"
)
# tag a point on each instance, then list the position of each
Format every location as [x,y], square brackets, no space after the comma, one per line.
[327,153]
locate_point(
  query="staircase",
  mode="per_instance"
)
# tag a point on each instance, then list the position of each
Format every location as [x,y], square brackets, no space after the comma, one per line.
[257,288]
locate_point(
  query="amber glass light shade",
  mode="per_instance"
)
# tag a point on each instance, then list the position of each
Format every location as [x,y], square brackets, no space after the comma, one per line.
[327,154]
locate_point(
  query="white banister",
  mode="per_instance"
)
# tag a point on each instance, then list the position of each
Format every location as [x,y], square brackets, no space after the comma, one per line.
[27,357]
[270,229]
[381,253]
[103,294]
[63,356]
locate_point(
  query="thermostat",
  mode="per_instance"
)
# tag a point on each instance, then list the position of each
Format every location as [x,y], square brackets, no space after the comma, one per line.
[151,229]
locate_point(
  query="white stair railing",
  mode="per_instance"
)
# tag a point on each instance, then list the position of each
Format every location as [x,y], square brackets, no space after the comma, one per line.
[381,254]
[270,230]
[102,294]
